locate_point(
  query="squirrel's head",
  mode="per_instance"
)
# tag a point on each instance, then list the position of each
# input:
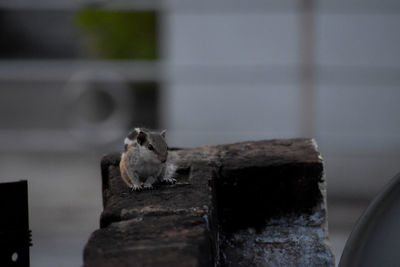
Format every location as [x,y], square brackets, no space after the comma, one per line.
[151,143]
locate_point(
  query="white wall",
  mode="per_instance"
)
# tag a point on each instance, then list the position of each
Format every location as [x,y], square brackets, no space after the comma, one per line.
[224,86]
[358,92]
[234,76]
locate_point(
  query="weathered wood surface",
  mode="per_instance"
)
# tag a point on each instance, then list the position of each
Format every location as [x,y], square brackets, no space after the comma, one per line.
[246,204]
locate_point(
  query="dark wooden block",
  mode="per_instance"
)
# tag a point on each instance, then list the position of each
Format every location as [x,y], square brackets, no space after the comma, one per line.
[246,204]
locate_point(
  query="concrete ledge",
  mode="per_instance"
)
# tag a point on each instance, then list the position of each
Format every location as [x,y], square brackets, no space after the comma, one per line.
[246,204]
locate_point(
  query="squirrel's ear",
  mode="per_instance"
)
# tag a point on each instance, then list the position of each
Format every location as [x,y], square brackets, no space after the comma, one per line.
[163,133]
[141,138]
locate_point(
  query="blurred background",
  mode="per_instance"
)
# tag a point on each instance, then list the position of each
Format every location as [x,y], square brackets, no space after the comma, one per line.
[76,75]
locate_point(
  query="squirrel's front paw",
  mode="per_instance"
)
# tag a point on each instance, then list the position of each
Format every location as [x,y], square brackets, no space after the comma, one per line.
[136,187]
[169,180]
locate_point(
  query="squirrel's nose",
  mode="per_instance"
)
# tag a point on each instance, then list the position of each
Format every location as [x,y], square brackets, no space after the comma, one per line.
[163,160]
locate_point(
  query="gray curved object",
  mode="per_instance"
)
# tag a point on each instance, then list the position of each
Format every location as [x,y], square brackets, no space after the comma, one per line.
[375,240]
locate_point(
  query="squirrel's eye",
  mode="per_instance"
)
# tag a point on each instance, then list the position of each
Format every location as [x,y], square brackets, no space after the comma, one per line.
[150,147]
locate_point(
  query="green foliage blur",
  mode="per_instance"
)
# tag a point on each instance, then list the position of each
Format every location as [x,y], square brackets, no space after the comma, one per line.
[120,34]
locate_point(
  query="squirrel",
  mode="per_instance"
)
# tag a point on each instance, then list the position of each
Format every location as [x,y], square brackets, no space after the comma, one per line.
[144,160]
